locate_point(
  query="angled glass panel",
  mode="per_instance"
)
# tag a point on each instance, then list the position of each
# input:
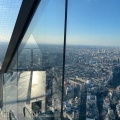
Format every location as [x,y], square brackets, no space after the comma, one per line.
[9,10]
[40,62]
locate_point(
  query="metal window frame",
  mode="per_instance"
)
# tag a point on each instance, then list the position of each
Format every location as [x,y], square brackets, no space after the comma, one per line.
[24,18]
[64,55]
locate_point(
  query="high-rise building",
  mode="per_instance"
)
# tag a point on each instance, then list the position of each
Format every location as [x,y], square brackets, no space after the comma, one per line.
[116,77]
[82,107]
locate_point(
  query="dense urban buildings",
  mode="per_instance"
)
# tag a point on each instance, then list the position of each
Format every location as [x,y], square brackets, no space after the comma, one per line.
[88,92]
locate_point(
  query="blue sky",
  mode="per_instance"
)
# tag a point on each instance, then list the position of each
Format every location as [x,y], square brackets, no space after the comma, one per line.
[8,14]
[90,22]
[94,22]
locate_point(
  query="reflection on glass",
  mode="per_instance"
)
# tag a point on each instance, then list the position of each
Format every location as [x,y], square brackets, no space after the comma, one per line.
[92,68]
[9,10]
[40,62]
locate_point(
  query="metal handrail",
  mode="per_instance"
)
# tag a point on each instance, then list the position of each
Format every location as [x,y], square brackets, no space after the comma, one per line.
[11,115]
[32,113]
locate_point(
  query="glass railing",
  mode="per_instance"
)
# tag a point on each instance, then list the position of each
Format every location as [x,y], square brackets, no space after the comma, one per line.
[91,85]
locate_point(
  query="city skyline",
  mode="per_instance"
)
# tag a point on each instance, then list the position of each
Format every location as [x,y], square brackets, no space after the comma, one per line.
[43,78]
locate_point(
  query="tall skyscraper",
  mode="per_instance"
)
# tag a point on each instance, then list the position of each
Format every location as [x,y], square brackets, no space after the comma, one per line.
[116,77]
[82,110]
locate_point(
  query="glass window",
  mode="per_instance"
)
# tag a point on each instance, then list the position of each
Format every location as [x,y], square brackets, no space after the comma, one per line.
[40,62]
[9,10]
[92,59]
[92,63]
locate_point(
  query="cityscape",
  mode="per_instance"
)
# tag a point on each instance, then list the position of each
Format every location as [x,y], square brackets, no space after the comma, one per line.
[92,79]
[59,60]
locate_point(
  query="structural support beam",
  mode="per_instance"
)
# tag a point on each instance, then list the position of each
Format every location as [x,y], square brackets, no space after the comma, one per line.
[1,91]
[25,15]
[64,54]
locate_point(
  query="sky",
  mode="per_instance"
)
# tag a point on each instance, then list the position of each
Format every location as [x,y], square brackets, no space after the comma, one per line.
[94,22]
[90,22]
[9,10]
[8,14]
